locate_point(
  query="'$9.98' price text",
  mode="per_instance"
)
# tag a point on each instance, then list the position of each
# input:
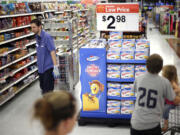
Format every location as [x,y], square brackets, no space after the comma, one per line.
[113,19]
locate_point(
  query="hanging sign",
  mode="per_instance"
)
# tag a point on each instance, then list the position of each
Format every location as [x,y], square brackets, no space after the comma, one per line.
[118,17]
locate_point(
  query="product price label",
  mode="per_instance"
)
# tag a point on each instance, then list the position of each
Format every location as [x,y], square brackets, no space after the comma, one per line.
[118,17]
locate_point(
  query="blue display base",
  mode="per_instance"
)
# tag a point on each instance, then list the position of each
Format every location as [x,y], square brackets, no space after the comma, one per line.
[121,98]
[120,80]
[104,115]
[127,61]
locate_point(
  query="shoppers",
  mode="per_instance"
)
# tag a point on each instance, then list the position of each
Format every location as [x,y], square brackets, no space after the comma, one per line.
[170,72]
[46,57]
[152,90]
[57,112]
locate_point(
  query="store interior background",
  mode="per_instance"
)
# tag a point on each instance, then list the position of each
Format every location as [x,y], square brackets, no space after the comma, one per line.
[15,115]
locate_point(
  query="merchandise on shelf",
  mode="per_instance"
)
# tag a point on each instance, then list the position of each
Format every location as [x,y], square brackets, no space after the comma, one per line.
[113,54]
[114,89]
[141,54]
[127,71]
[128,43]
[127,90]
[116,35]
[113,107]
[114,85]
[127,109]
[113,74]
[114,92]
[140,70]
[115,43]
[113,103]
[113,71]
[127,54]
[127,102]
[142,44]
[112,67]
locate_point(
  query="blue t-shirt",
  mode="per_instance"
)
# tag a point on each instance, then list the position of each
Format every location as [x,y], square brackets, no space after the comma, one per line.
[45,45]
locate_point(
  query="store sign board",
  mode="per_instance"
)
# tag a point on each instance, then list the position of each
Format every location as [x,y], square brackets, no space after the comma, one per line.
[118,17]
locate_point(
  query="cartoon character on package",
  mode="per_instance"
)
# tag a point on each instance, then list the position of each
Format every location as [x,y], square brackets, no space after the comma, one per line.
[91,100]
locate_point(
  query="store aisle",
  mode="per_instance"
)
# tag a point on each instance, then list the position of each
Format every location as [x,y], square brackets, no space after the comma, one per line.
[15,117]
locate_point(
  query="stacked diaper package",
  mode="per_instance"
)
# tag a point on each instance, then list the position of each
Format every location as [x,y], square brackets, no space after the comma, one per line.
[120,90]
[127,49]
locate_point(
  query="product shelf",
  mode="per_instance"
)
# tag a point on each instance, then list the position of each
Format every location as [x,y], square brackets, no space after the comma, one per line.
[120,80]
[31,43]
[16,49]
[17,15]
[12,84]
[14,39]
[16,28]
[22,88]
[11,51]
[47,11]
[127,61]
[17,70]
[9,64]
[121,98]
[59,12]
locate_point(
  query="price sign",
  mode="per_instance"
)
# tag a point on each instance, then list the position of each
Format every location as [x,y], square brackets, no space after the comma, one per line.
[117,17]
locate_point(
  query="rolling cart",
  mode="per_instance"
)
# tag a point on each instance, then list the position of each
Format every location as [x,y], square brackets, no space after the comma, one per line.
[174,122]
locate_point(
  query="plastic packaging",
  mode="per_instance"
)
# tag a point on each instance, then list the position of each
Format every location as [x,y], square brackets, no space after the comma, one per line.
[113,54]
[116,35]
[141,54]
[115,43]
[127,54]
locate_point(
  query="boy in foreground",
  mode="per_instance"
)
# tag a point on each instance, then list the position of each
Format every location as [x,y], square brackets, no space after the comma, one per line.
[152,90]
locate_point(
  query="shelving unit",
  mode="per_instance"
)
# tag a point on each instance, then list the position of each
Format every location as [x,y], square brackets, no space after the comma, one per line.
[8,71]
[14,39]
[13,95]
[23,77]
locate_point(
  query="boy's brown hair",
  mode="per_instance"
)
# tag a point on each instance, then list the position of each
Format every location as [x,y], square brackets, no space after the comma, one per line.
[154,64]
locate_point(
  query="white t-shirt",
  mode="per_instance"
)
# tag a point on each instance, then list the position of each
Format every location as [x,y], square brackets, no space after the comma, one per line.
[152,90]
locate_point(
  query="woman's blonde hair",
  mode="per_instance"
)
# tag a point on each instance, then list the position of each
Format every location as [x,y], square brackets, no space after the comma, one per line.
[170,72]
[53,108]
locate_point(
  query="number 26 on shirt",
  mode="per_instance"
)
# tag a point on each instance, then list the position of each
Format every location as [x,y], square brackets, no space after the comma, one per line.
[151,100]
